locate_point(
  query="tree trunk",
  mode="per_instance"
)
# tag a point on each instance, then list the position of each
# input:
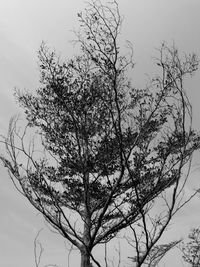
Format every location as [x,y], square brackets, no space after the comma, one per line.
[85,259]
[86,249]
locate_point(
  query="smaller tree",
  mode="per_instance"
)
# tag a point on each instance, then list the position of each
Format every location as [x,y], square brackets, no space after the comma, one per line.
[38,252]
[191,249]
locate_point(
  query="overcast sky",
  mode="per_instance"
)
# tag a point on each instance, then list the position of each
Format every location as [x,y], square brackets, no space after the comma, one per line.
[24,24]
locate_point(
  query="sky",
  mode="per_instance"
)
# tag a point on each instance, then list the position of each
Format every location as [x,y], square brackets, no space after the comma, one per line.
[24,24]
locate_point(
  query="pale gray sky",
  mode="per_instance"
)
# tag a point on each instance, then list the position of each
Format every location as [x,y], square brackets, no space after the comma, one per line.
[23,26]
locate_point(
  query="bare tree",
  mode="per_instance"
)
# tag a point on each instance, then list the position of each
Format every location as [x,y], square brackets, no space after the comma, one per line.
[38,251]
[105,150]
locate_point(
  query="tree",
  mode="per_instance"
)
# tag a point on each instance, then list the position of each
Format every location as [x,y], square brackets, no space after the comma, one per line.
[38,251]
[191,249]
[153,253]
[105,150]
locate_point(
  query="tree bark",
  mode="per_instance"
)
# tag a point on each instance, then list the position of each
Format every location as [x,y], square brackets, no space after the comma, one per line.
[85,259]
